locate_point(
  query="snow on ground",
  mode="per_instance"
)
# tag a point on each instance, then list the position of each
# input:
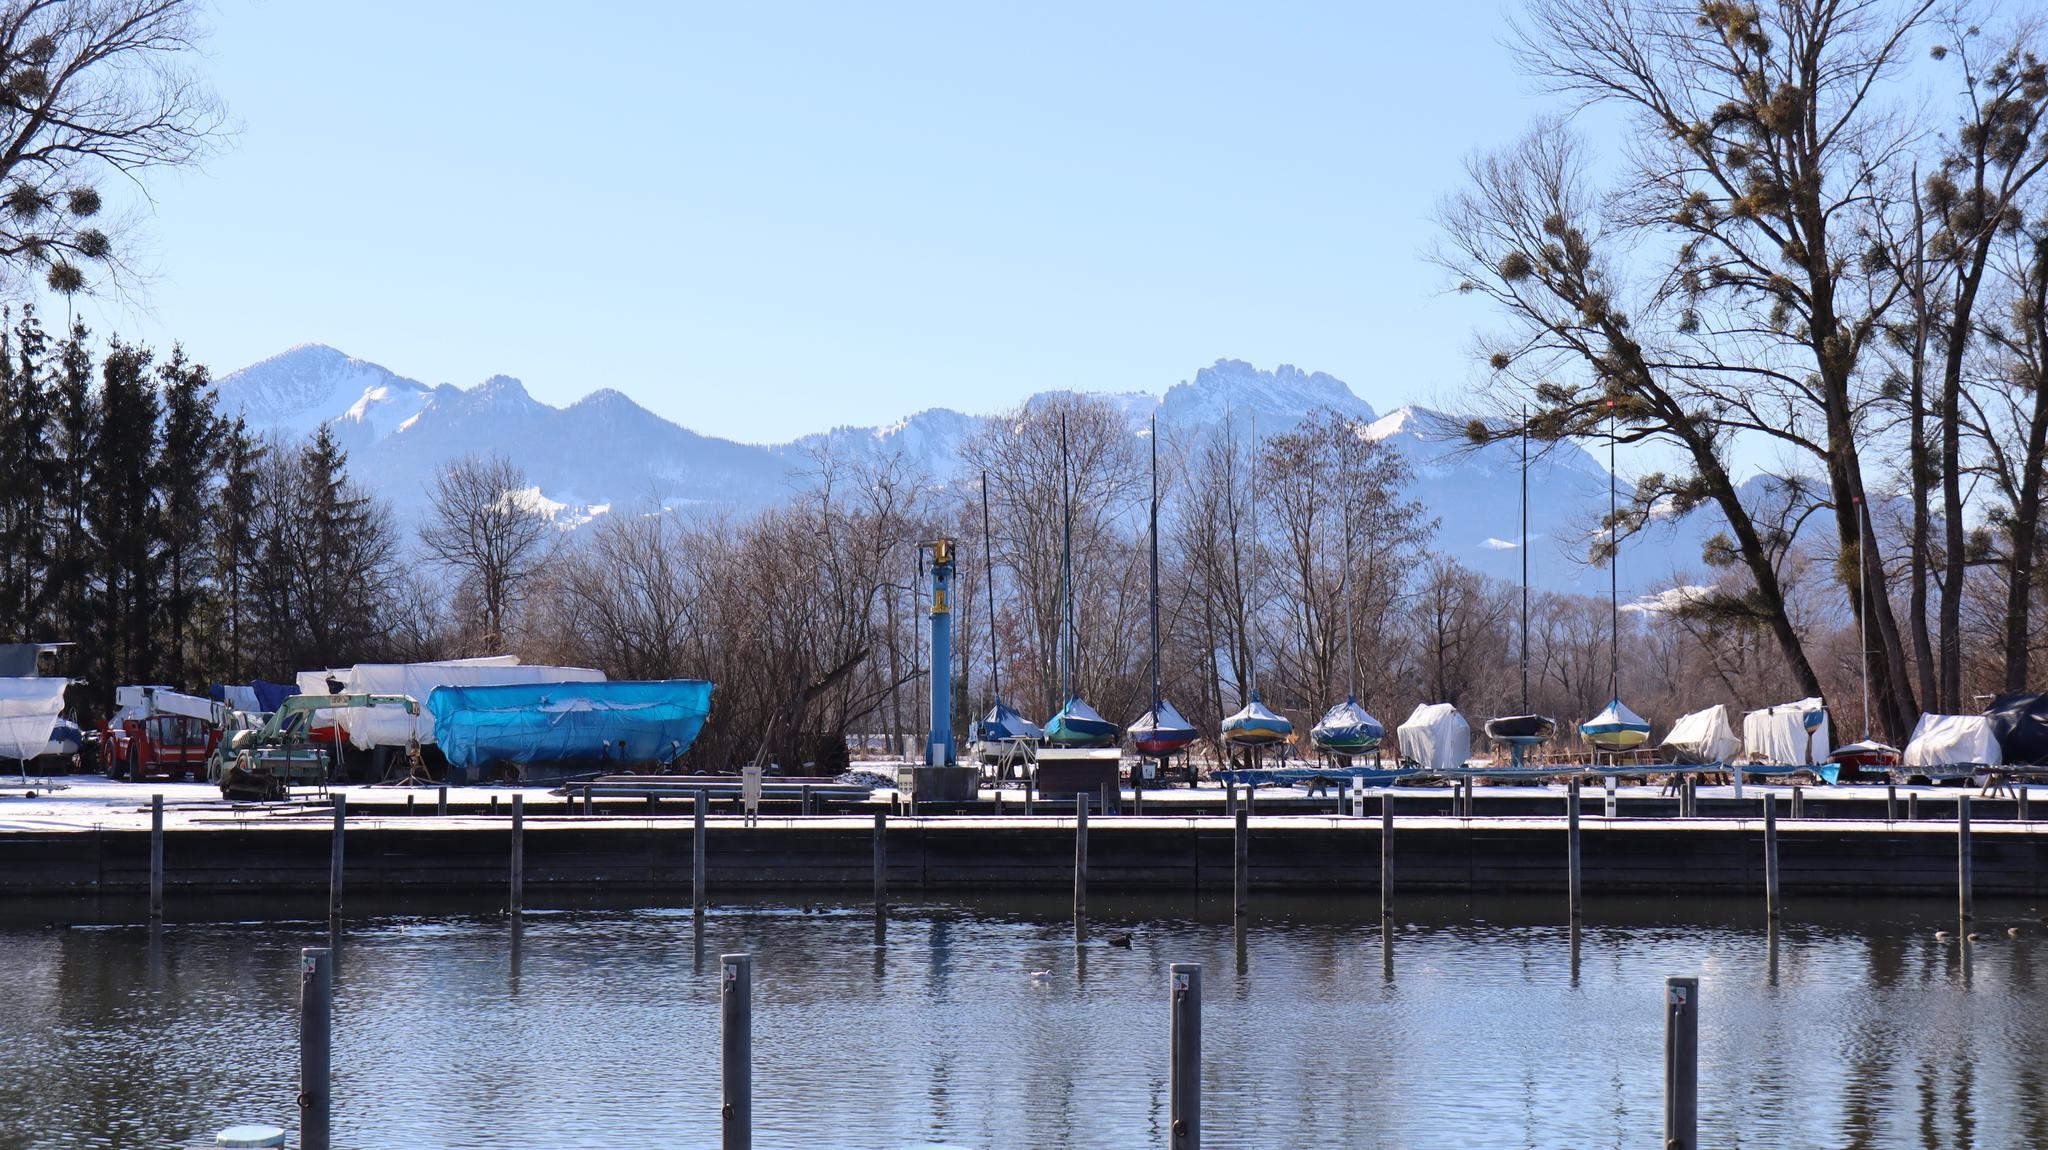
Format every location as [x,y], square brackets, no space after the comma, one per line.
[85,802]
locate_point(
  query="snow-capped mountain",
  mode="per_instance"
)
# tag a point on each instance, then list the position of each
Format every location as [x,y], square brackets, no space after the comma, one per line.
[606,451]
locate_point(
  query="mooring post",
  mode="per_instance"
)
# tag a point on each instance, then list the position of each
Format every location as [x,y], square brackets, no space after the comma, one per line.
[316,1032]
[1681,1063]
[409,804]
[698,805]
[1613,798]
[1241,864]
[441,800]
[1963,906]
[156,857]
[518,853]
[1109,799]
[881,862]
[1574,886]
[736,1076]
[2021,791]
[1229,798]
[1891,802]
[494,806]
[1251,799]
[1798,801]
[1913,806]
[1184,1088]
[1030,787]
[1771,855]
[334,860]
[588,808]
[1080,864]
[806,808]
[1386,855]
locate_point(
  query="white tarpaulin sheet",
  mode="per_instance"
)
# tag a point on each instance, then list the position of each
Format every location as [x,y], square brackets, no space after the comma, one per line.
[390,726]
[1950,740]
[1703,737]
[1436,737]
[28,714]
[1788,735]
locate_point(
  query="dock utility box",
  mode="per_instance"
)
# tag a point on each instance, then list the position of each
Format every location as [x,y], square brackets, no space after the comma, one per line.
[939,784]
[1078,770]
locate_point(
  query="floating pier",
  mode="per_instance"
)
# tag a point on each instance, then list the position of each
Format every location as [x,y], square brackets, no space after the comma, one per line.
[378,848]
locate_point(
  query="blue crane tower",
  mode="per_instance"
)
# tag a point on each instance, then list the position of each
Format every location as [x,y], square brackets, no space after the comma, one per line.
[938,745]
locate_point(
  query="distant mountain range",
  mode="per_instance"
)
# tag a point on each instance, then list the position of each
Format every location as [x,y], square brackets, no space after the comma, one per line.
[605,450]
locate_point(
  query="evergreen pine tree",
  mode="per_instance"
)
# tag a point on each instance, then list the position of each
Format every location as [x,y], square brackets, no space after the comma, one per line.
[74,570]
[186,470]
[27,466]
[120,510]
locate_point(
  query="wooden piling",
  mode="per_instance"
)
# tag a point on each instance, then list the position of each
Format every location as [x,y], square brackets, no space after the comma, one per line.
[1798,801]
[736,1049]
[1080,867]
[1613,797]
[316,1034]
[1681,1063]
[441,800]
[518,853]
[699,807]
[2020,792]
[1387,855]
[1184,1082]
[1913,807]
[1891,802]
[881,863]
[1574,856]
[335,858]
[1229,799]
[1240,867]
[1964,901]
[156,858]
[1771,856]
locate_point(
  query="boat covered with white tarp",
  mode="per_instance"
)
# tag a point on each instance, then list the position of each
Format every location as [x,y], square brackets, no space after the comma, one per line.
[369,727]
[29,712]
[1789,734]
[1941,741]
[1702,737]
[1436,737]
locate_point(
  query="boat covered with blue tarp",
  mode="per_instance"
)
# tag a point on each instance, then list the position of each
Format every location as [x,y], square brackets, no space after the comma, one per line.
[1257,725]
[1005,724]
[1347,729]
[536,731]
[1079,725]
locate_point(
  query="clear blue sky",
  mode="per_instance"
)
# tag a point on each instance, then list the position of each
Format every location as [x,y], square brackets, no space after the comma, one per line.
[765,219]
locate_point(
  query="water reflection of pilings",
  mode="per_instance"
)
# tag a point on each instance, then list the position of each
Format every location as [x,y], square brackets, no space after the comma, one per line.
[1575,954]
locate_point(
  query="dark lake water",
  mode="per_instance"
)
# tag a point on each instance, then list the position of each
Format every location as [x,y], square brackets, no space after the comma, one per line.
[599,1027]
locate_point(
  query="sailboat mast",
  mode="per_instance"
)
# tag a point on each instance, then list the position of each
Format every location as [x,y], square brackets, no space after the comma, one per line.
[988,551]
[1066,568]
[1155,571]
[1867,546]
[1525,558]
[1613,569]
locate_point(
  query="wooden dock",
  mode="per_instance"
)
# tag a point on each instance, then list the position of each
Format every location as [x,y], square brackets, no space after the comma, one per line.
[216,852]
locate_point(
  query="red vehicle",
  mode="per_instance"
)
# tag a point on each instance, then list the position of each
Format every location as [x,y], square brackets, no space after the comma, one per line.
[155,735]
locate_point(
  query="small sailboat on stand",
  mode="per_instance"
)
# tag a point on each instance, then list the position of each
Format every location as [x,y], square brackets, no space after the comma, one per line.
[1160,732]
[1348,730]
[1256,726]
[1524,731]
[1616,730]
[1002,737]
[1079,755]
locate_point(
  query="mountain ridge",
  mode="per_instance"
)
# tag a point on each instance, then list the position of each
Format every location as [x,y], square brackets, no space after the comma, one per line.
[606,450]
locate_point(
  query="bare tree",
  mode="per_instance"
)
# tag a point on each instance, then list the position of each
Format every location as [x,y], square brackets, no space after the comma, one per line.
[485,531]
[90,89]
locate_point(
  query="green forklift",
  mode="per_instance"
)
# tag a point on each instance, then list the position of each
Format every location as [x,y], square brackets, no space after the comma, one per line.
[261,764]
